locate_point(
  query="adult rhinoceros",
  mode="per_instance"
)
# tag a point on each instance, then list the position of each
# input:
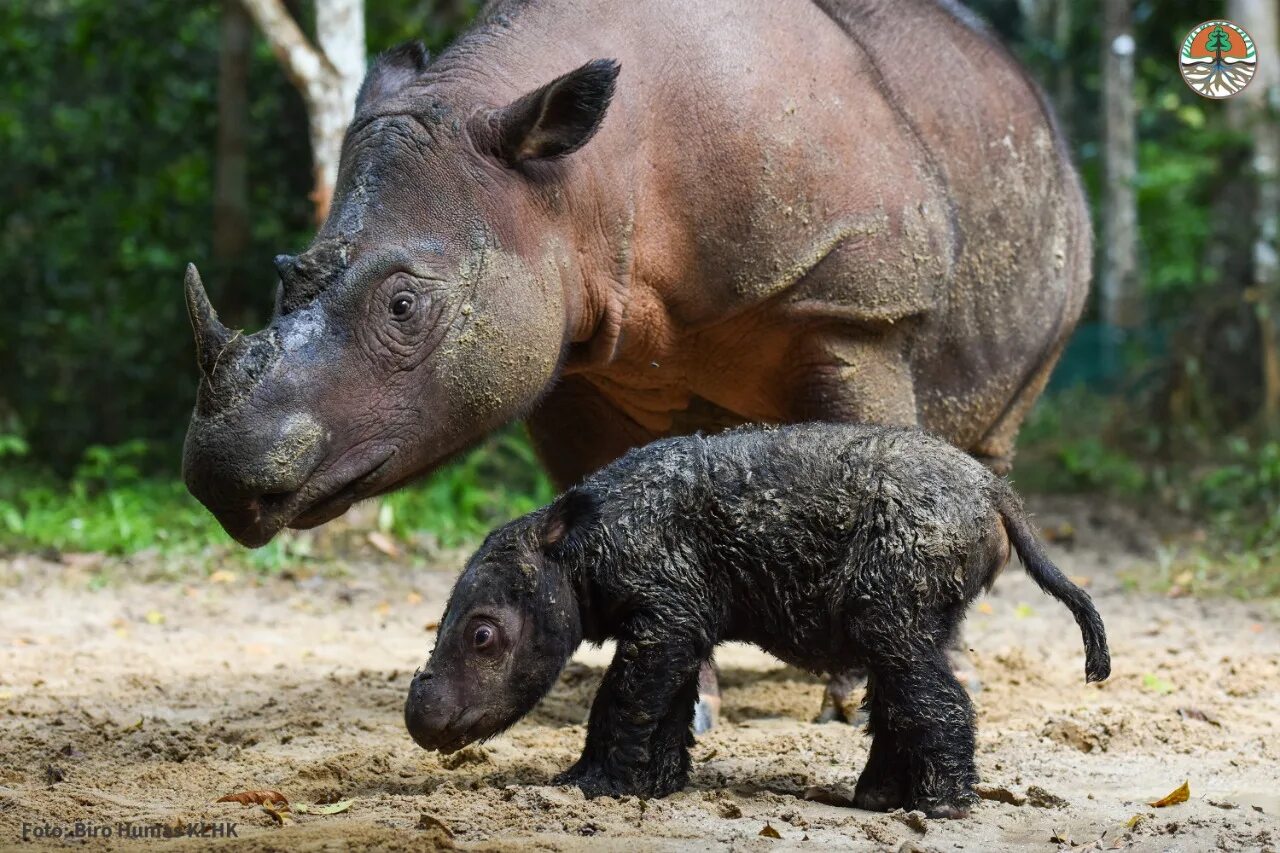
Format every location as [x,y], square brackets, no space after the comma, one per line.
[620,220]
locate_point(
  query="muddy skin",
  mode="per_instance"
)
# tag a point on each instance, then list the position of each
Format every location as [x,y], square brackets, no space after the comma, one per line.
[829,546]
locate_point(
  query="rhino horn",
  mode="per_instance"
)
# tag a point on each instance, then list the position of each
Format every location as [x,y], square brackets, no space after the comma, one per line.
[211,336]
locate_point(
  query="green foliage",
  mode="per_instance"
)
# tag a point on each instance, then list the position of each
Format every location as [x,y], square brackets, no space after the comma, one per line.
[107,130]
[111,505]
[491,485]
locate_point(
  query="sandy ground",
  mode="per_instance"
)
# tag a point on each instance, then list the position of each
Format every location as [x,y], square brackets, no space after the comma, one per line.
[141,703]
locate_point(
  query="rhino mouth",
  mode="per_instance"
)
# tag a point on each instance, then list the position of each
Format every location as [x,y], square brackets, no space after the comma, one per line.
[321,499]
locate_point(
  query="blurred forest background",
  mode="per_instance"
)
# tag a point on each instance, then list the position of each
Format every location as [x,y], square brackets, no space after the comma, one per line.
[138,135]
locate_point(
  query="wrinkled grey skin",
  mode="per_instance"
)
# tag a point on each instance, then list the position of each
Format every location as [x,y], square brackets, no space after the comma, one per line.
[830,546]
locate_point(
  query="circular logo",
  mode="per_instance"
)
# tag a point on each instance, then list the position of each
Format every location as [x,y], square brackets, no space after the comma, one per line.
[1217,59]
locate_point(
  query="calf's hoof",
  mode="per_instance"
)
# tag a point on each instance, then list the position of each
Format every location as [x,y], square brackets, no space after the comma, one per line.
[878,795]
[944,809]
[593,782]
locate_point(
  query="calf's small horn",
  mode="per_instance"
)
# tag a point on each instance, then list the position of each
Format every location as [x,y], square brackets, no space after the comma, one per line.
[211,335]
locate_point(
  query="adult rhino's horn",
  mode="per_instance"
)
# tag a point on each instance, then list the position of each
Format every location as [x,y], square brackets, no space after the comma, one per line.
[211,335]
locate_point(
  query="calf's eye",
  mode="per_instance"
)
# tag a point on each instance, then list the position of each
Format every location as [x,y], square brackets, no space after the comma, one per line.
[483,637]
[401,305]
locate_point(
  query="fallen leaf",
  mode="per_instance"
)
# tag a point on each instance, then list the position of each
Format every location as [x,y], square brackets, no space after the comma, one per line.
[1133,822]
[154,617]
[431,626]
[133,727]
[1256,627]
[1060,837]
[710,755]
[1022,611]
[1156,684]
[223,576]
[328,808]
[383,608]
[413,598]
[985,608]
[384,543]
[280,812]
[255,798]
[1180,794]
[769,831]
[6,695]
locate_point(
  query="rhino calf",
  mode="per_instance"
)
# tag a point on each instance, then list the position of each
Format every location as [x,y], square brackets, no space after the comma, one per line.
[829,546]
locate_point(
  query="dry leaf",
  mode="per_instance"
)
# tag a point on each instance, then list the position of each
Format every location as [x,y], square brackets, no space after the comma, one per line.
[985,608]
[280,812]
[384,543]
[133,727]
[1178,795]
[223,576]
[769,831]
[155,617]
[1135,820]
[431,626]
[255,798]
[328,808]
[413,598]
[383,608]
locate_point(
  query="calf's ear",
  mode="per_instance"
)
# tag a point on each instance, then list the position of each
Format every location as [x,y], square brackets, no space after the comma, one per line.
[392,71]
[571,514]
[557,119]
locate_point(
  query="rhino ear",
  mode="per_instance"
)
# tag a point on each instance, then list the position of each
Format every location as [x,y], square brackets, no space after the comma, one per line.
[572,513]
[392,71]
[559,118]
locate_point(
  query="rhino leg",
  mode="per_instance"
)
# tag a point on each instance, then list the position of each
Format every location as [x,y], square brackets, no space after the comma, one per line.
[576,431]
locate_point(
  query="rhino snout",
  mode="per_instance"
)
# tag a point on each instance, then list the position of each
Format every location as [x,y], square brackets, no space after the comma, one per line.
[246,473]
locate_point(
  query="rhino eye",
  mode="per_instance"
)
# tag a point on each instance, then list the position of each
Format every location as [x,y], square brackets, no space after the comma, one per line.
[401,305]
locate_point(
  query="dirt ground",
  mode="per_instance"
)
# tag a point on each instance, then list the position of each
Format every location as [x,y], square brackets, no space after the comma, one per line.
[141,703]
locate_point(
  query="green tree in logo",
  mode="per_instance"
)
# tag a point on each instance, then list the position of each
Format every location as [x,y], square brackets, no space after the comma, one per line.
[1219,42]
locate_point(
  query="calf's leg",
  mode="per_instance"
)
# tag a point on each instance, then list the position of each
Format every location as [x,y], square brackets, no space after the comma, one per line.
[929,717]
[638,734]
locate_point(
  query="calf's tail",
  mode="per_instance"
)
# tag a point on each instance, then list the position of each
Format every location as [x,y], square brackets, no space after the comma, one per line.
[1097,659]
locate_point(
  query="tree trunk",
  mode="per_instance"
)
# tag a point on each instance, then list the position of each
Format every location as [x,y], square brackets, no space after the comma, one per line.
[1260,103]
[231,222]
[1064,83]
[327,75]
[1122,304]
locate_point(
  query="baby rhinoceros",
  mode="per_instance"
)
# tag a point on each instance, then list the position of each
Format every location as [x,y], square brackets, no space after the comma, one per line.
[829,546]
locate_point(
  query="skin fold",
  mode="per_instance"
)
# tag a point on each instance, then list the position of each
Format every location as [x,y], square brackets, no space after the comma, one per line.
[829,546]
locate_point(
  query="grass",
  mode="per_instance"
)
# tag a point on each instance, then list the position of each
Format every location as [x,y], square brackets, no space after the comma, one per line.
[1228,488]
[110,507]
[1074,443]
